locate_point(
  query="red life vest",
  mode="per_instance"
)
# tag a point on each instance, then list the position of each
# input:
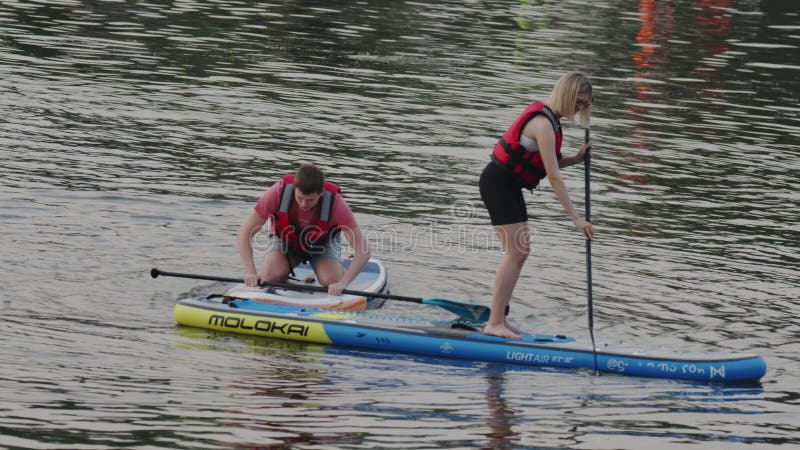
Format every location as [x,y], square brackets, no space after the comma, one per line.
[526,166]
[310,239]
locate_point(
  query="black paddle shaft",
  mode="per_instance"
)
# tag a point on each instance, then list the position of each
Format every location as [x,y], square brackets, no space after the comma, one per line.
[155,273]
[587,159]
[472,312]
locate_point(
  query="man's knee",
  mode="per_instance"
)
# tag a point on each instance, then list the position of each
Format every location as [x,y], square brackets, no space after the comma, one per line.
[329,271]
[328,279]
[273,276]
[275,268]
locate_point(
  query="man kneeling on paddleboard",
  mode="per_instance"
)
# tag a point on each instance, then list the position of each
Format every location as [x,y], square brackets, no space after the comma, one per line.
[308,214]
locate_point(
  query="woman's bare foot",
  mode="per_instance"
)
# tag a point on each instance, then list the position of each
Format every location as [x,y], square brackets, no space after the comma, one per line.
[501,330]
[514,329]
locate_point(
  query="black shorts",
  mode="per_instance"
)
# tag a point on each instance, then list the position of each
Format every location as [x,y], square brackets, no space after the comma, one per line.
[502,195]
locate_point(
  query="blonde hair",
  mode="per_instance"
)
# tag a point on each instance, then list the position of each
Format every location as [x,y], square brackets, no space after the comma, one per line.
[565,94]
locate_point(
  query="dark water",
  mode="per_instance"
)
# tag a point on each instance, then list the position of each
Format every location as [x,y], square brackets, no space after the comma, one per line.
[138,134]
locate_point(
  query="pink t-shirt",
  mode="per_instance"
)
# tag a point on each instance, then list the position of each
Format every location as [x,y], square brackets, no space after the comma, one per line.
[341,216]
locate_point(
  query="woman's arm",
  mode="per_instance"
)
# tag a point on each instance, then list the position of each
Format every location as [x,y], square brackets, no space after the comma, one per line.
[545,138]
[578,158]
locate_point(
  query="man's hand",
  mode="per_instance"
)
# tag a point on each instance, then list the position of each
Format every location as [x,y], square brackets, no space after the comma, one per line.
[336,288]
[252,279]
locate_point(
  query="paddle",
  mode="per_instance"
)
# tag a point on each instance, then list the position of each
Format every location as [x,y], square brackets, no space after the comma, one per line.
[587,159]
[469,311]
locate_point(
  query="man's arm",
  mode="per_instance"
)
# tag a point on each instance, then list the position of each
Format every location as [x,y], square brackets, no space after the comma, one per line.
[248,229]
[361,256]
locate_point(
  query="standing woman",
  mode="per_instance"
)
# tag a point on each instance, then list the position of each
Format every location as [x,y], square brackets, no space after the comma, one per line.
[528,152]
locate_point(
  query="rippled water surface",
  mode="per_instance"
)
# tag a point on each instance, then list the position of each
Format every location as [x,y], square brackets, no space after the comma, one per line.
[139,134]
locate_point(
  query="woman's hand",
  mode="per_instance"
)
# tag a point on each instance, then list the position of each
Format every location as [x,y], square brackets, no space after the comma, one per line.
[585,228]
[587,147]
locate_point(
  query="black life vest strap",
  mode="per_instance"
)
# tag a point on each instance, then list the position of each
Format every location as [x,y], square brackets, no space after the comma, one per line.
[286,198]
[552,118]
[327,206]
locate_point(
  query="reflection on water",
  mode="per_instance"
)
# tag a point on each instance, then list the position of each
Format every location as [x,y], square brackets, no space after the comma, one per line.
[140,134]
[500,417]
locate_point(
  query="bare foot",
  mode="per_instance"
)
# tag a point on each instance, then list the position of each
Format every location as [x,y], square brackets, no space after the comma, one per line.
[501,330]
[514,329]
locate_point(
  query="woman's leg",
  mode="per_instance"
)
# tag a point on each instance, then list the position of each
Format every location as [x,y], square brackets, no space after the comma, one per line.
[515,240]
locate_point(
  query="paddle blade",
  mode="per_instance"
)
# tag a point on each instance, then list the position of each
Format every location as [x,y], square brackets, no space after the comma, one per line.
[470,311]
